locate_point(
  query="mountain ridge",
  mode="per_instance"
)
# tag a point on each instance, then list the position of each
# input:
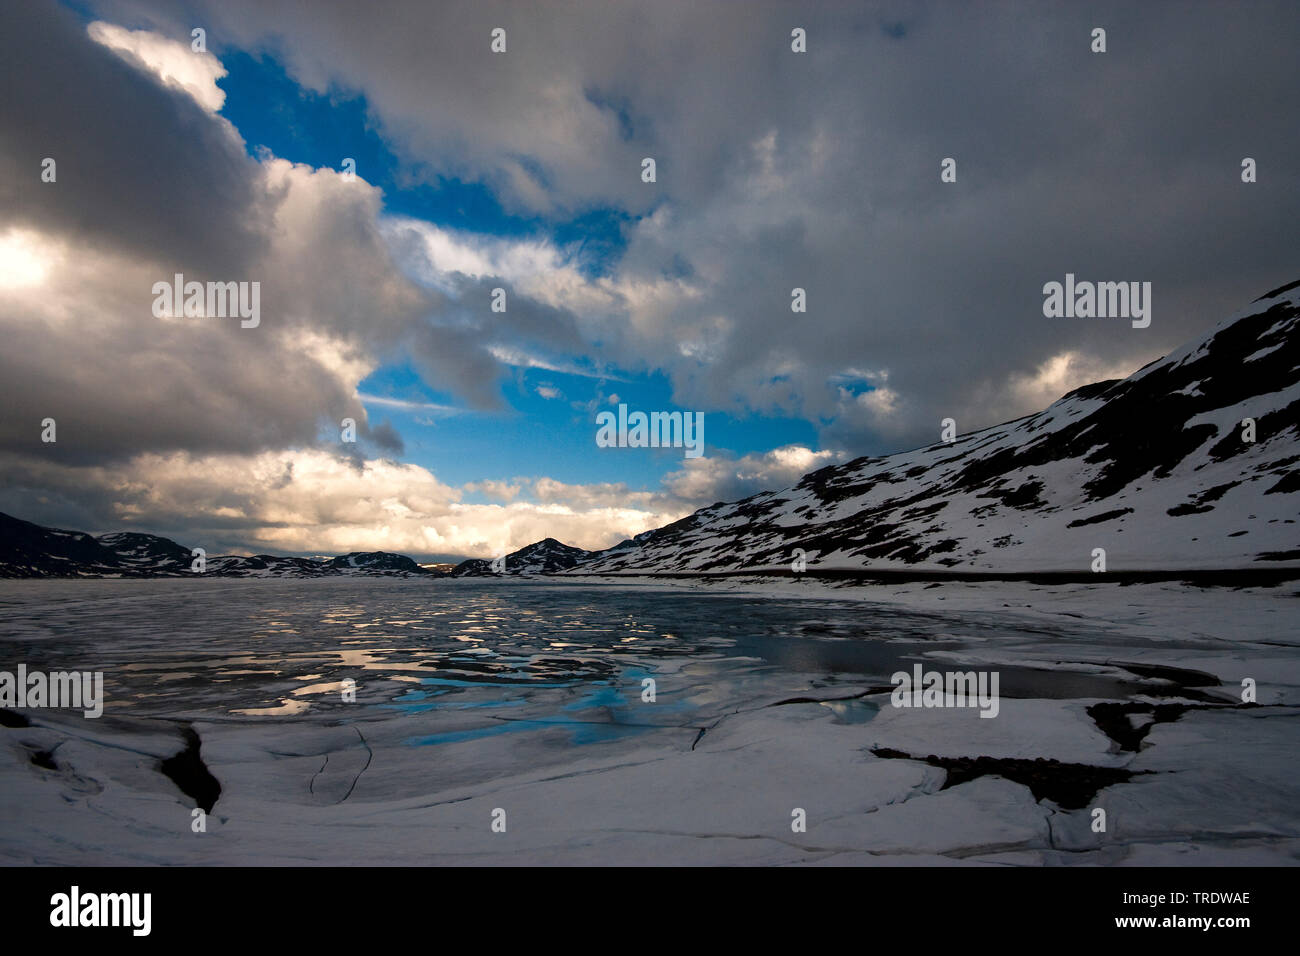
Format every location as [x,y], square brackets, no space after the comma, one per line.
[1162,455]
[29,550]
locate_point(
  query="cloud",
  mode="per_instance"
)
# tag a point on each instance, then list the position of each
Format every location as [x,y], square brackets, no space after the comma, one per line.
[500,490]
[129,153]
[85,348]
[317,501]
[711,479]
[25,260]
[1063,373]
[781,170]
[507,355]
[173,61]
[776,171]
[410,406]
[197,426]
[83,253]
[323,501]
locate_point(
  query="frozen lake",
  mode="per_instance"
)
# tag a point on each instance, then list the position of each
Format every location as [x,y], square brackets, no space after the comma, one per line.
[473,696]
[218,649]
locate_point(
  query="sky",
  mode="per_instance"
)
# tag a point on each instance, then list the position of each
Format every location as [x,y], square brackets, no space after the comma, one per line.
[522,170]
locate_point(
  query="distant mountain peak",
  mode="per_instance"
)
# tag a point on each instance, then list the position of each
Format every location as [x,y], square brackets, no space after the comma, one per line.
[547,556]
[28,550]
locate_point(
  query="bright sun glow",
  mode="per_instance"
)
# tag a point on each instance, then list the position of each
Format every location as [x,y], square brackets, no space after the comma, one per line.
[21,261]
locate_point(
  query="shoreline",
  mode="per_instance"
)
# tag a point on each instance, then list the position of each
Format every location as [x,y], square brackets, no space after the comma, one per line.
[1198,577]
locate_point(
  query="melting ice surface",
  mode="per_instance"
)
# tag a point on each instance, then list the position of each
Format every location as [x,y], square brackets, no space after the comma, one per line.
[473,696]
[494,657]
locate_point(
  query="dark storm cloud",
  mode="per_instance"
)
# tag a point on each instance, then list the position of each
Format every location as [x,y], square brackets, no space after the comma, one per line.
[149,184]
[129,152]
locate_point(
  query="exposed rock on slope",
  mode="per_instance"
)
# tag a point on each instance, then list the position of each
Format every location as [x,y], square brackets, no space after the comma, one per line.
[1153,468]
[542,557]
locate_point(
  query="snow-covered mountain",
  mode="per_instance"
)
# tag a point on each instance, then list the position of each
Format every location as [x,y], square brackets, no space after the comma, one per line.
[1156,469]
[147,552]
[547,556]
[28,550]
[357,562]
